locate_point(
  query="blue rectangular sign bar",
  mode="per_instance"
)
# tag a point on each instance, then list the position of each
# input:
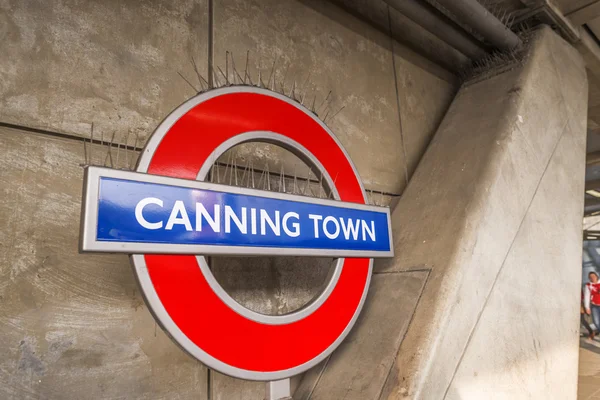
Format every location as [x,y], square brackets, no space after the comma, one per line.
[132,212]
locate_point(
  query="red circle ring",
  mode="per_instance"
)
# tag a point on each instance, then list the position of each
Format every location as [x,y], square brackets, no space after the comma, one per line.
[179,291]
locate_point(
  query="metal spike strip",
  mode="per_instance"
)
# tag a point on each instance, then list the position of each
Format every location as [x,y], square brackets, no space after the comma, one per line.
[228,168]
[271,74]
[246,68]
[282,181]
[294,190]
[200,78]
[234,70]
[91,143]
[334,183]
[283,81]
[117,161]
[296,92]
[268,177]
[85,153]
[133,152]
[261,179]
[188,82]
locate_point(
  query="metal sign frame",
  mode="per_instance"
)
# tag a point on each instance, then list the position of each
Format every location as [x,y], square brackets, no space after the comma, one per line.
[89,220]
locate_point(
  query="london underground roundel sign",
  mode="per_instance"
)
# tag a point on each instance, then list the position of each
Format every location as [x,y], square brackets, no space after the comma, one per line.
[168,218]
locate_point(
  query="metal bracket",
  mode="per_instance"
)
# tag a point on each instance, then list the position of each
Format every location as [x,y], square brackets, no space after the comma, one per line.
[279,390]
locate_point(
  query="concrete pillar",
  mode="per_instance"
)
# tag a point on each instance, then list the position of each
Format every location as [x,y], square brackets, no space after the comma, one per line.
[492,218]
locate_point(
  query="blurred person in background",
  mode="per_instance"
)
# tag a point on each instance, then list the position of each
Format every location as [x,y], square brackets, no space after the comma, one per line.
[591,300]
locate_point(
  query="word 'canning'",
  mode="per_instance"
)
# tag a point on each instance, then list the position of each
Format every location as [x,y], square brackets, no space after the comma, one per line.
[253,221]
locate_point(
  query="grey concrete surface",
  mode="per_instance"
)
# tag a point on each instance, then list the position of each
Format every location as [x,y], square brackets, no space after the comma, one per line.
[411,35]
[67,64]
[467,202]
[272,285]
[224,387]
[360,366]
[536,356]
[589,370]
[423,101]
[72,326]
[75,325]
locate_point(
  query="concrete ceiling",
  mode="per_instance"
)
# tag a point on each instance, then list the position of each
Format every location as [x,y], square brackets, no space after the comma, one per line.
[586,14]
[578,21]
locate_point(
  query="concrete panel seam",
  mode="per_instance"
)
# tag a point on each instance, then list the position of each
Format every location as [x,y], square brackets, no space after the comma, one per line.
[398,104]
[116,145]
[67,136]
[403,271]
[211,44]
[504,260]
[312,390]
[554,63]
[396,351]
[208,385]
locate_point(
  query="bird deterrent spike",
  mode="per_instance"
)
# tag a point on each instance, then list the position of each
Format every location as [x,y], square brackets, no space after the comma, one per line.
[246,69]
[295,181]
[293,91]
[85,152]
[216,77]
[268,177]
[235,171]
[217,168]
[305,86]
[307,182]
[283,81]
[246,173]
[224,75]
[282,180]
[112,140]
[234,69]
[261,180]
[325,119]
[188,82]
[337,112]
[134,148]
[271,74]
[320,184]
[260,83]
[91,143]
[109,152]
[102,141]
[127,150]
[326,98]
[228,168]
[201,80]
[334,181]
[117,162]
[227,66]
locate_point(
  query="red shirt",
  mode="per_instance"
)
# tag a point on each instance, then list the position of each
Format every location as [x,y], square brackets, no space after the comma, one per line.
[592,294]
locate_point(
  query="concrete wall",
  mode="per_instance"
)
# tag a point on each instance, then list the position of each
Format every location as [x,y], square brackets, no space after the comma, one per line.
[75,326]
[498,317]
